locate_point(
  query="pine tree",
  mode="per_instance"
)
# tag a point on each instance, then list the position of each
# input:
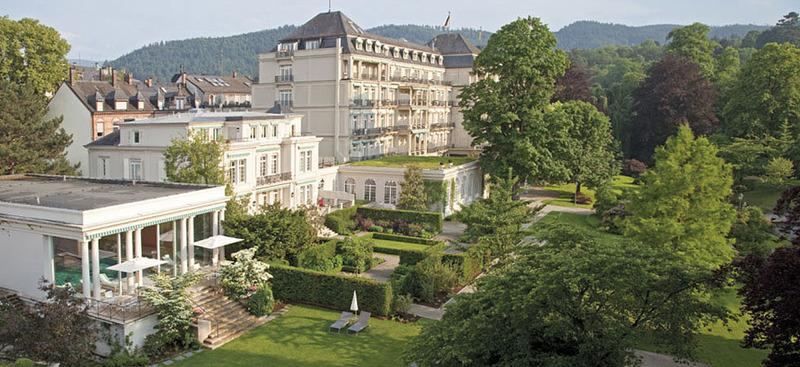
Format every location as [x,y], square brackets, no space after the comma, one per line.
[412,196]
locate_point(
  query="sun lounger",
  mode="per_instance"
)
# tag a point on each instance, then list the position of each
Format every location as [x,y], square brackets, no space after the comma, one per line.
[342,321]
[362,323]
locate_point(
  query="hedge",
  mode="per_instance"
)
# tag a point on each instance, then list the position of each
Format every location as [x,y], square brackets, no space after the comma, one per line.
[430,221]
[407,257]
[407,239]
[321,257]
[290,284]
[341,221]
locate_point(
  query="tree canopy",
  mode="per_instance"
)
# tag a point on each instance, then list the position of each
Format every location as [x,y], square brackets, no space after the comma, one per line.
[499,215]
[692,43]
[787,30]
[412,195]
[197,159]
[682,206]
[32,54]
[29,142]
[517,72]
[674,93]
[279,233]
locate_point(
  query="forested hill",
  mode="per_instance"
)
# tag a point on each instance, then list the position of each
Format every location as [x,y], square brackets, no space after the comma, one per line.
[590,34]
[221,55]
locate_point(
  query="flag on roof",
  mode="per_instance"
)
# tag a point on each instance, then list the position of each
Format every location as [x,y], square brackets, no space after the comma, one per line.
[447,22]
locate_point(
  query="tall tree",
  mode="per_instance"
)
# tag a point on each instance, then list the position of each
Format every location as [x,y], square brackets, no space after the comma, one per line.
[497,216]
[570,301]
[28,141]
[728,65]
[589,152]
[412,195]
[692,43]
[574,85]
[197,159]
[682,205]
[770,295]
[503,109]
[674,93]
[787,30]
[766,94]
[32,54]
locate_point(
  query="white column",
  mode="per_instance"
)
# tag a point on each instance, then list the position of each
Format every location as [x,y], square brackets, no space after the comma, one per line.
[138,248]
[48,267]
[190,243]
[222,232]
[174,247]
[85,275]
[96,289]
[184,250]
[119,260]
[129,255]
[214,232]
[158,246]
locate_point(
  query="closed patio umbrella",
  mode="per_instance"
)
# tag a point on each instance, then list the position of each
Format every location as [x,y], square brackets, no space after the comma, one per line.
[354,303]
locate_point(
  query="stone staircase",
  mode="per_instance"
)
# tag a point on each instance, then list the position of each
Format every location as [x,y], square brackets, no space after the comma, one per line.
[12,300]
[228,318]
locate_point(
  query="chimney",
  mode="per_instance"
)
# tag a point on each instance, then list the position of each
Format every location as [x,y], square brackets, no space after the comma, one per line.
[129,78]
[113,77]
[148,82]
[235,74]
[71,74]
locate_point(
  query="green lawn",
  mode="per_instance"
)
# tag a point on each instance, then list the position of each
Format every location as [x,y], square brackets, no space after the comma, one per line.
[397,245]
[718,344]
[300,338]
[764,195]
[566,191]
[400,161]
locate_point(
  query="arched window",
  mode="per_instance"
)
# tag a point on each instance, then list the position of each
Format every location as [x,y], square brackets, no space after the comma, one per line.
[390,193]
[369,190]
[350,186]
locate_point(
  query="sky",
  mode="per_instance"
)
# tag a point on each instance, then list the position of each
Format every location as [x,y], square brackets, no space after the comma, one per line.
[106,29]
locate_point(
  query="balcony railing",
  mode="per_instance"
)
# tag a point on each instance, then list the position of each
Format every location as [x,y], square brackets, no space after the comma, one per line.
[367,76]
[284,54]
[418,80]
[284,78]
[403,102]
[273,179]
[443,125]
[362,103]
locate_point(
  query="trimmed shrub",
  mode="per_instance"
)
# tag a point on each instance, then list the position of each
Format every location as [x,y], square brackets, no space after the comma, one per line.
[321,257]
[407,256]
[430,221]
[261,302]
[334,291]
[342,221]
[356,254]
[633,168]
[375,229]
[407,239]
[428,278]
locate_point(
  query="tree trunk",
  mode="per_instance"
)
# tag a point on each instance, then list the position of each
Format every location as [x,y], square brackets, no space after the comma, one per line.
[577,191]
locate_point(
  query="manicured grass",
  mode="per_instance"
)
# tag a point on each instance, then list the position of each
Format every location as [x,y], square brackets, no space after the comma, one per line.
[300,338]
[718,344]
[397,245]
[400,161]
[764,195]
[566,191]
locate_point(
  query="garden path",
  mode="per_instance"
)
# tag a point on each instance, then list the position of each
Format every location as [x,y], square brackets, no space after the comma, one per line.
[382,271]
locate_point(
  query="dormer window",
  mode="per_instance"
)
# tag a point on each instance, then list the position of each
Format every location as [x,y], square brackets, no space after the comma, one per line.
[136,137]
[312,44]
[99,106]
[120,105]
[140,105]
[405,54]
[359,44]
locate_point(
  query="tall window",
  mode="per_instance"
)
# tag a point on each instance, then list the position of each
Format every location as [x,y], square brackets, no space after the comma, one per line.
[310,45]
[305,161]
[264,131]
[350,186]
[237,170]
[99,127]
[286,72]
[136,169]
[274,129]
[285,97]
[390,192]
[274,164]
[136,137]
[263,165]
[215,133]
[253,129]
[369,190]
[103,167]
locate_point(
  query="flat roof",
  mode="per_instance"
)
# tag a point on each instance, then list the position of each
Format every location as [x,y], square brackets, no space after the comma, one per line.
[78,193]
[423,162]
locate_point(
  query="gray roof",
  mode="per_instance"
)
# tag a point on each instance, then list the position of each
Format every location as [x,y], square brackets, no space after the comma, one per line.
[325,25]
[118,94]
[92,91]
[459,61]
[76,193]
[453,44]
[111,139]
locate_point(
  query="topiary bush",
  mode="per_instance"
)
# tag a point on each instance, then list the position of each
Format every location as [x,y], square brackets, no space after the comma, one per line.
[342,221]
[356,254]
[429,278]
[408,239]
[261,302]
[321,257]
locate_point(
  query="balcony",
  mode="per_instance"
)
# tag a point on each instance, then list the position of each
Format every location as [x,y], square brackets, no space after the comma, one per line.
[273,179]
[367,76]
[362,103]
[419,80]
[373,130]
[402,102]
[443,125]
[284,54]
[284,78]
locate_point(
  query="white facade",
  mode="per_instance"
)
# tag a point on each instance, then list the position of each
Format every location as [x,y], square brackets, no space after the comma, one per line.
[77,120]
[266,156]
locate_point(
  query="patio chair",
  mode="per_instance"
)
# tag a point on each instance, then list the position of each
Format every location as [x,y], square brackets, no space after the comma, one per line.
[362,323]
[342,322]
[108,283]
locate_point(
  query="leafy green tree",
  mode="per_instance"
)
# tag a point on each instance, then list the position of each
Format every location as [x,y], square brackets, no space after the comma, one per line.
[570,301]
[692,42]
[588,153]
[32,54]
[752,232]
[778,170]
[787,30]
[412,195]
[279,233]
[30,143]
[682,205]
[748,157]
[197,159]
[497,217]
[767,93]
[173,306]
[727,65]
[503,109]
